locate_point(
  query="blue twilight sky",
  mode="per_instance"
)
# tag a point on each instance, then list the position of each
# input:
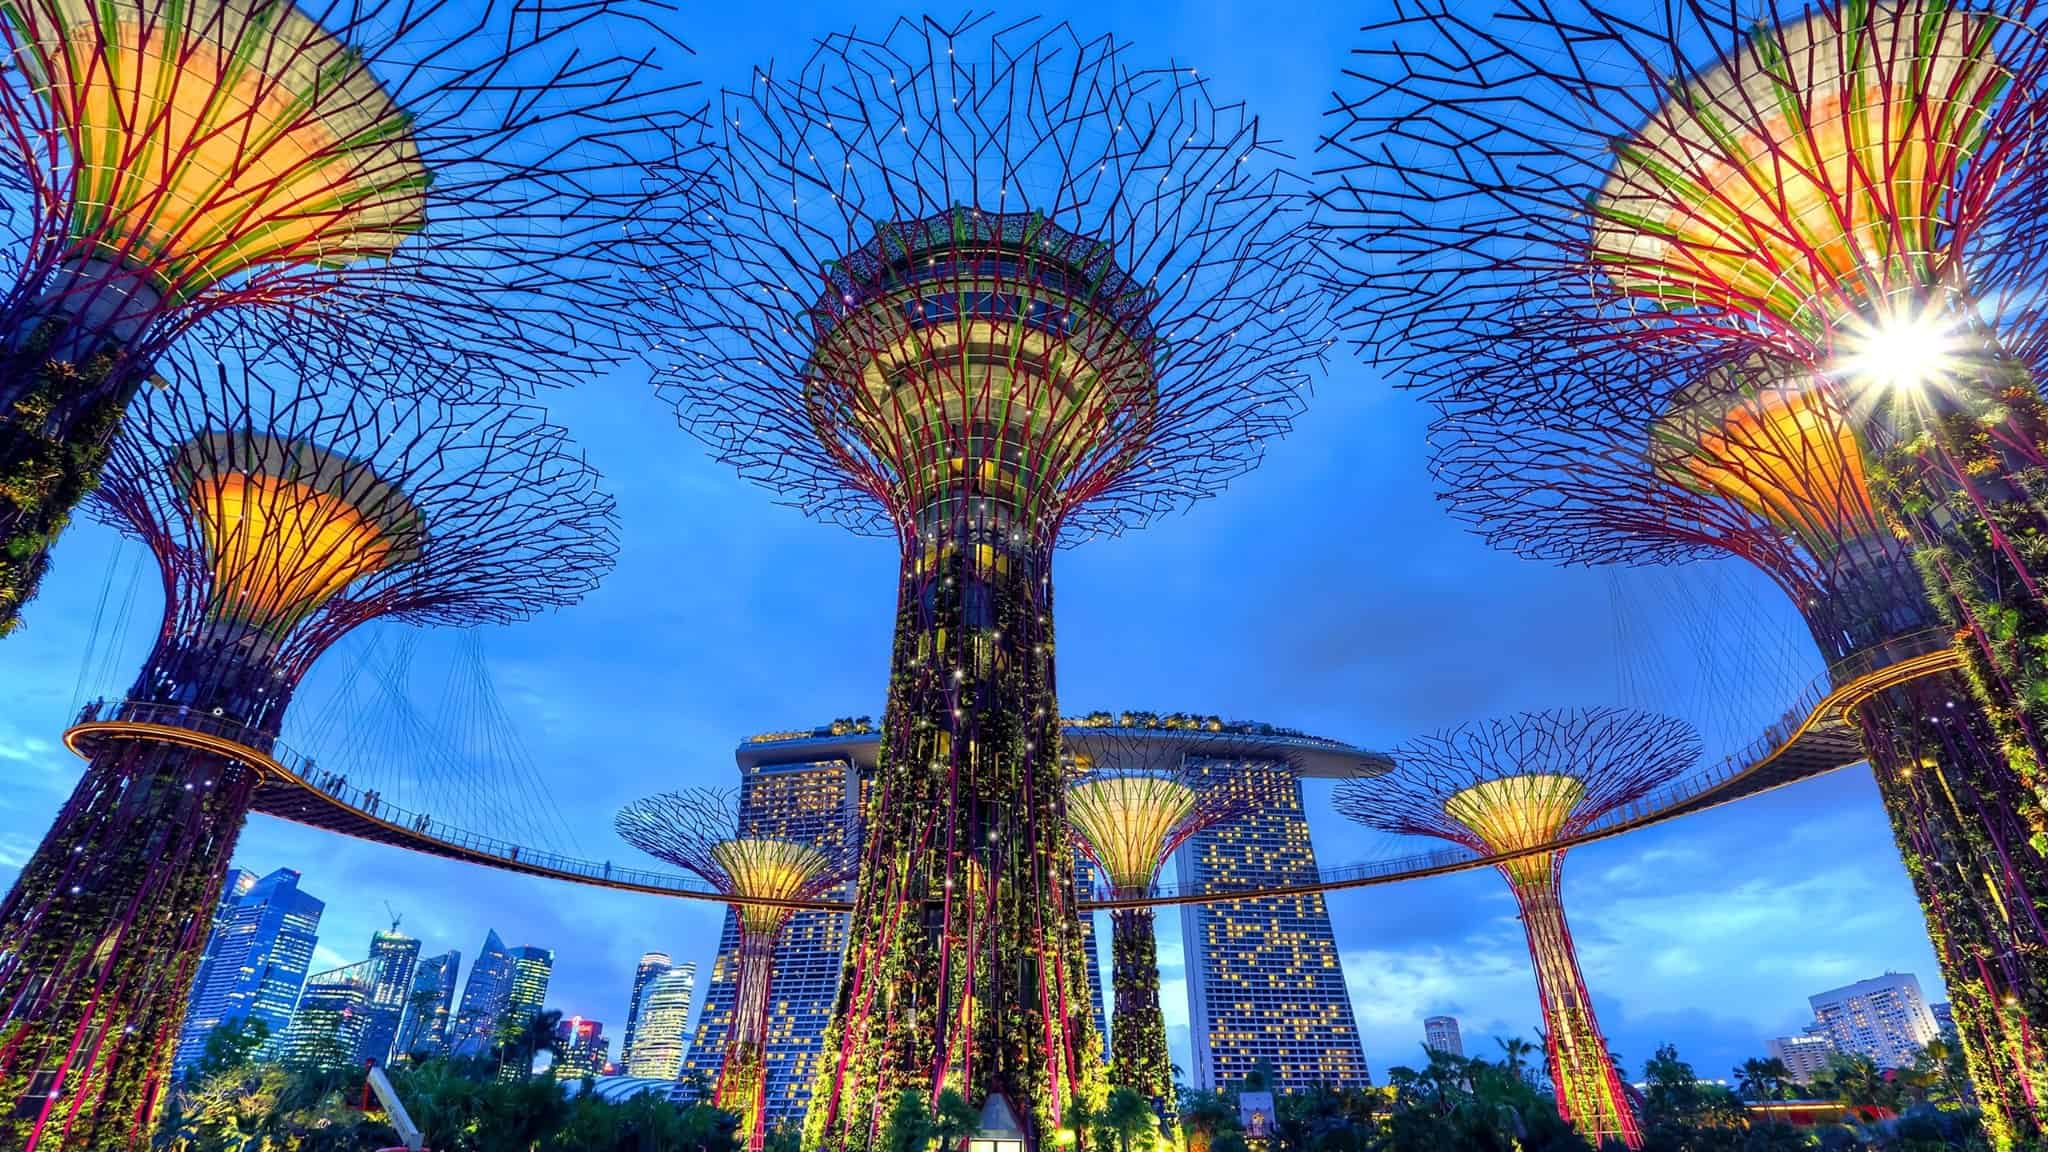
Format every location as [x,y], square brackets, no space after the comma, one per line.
[1325,591]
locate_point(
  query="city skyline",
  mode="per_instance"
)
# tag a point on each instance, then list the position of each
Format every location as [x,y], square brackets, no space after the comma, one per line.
[742,657]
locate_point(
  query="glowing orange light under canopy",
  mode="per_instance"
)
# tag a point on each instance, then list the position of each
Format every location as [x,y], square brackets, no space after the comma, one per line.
[1125,822]
[287,526]
[1511,813]
[1784,451]
[210,137]
[767,869]
[978,362]
[1808,175]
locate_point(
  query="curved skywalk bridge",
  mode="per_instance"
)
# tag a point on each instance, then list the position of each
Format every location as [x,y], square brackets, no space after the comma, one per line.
[1817,735]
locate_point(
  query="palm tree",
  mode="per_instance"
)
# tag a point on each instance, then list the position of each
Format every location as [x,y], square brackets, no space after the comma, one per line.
[1762,1079]
[954,1119]
[1515,1053]
[1129,1116]
[526,1037]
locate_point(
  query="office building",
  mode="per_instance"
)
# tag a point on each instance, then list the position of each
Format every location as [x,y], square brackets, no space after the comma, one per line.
[1803,1056]
[430,1007]
[1885,1018]
[581,1049]
[532,968]
[813,800]
[484,1000]
[651,964]
[663,1035]
[1440,1034]
[327,1030]
[255,960]
[394,956]
[1264,978]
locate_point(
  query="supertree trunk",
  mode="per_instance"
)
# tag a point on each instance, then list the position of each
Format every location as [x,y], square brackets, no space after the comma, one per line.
[1946,789]
[742,1071]
[67,372]
[1967,826]
[1138,1055]
[1589,1090]
[965,946]
[102,934]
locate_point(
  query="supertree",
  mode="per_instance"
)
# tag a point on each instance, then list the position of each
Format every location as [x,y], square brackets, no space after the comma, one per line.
[1776,306]
[419,193]
[1133,801]
[1509,787]
[281,519]
[700,831]
[987,291]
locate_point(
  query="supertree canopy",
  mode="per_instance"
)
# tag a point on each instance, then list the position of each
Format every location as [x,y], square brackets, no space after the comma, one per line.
[1509,787]
[281,518]
[1134,803]
[420,194]
[1782,304]
[987,290]
[699,830]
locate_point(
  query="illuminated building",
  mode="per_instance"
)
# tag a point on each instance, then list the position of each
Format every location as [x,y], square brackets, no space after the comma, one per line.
[1885,1018]
[1265,978]
[1511,788]
[990,354]
[484,997]
[698,831]
[327,1028]
[581,1048]
[256,958]
[1803,1056]
[651,964]
[430,1009]
[1440,1034]
[532,968]
[395,956]
[658,1045]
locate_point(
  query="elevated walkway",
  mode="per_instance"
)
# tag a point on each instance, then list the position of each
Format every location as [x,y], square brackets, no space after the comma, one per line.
[1817,735]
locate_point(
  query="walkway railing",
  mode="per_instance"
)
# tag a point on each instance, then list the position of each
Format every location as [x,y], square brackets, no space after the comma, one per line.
[297,788]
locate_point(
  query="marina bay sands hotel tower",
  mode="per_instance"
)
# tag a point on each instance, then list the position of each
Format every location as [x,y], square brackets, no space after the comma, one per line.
[1263,976]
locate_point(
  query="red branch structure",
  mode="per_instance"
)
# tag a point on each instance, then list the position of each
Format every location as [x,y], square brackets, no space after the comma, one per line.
[987,289]
[280,519]
[1513,783]
[1134,801]
[1712,283]
[698,830]
[423,195]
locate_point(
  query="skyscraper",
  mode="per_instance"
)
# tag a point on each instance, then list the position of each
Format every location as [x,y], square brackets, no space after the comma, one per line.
[256,958]
[651,964]
[1885,1018]
[664,1024]
[812,801]
[1803,1056]
[532,968]
[1264,978]
[393,955]
[1440,1034]
[484,999]
[430,1006]
[327,1030]
[582,1048]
